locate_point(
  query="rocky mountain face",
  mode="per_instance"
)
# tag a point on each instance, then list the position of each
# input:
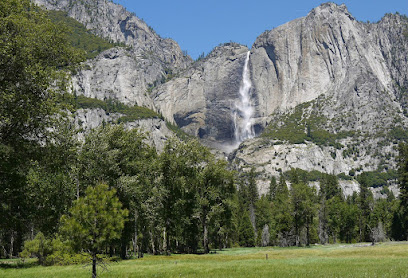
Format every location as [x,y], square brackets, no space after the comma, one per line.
[329,93]
[202,99]
[116,74]
[336,79]
[122,74]
[125,73]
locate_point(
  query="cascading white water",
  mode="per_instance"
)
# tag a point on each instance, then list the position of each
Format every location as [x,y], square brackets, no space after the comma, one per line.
[244,111]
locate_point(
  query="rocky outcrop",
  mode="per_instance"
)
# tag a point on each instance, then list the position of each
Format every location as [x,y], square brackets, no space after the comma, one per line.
[273,159]
[114,22]
[115,74]
[155,129]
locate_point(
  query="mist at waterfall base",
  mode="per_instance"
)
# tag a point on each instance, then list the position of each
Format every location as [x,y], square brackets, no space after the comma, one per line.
[242,112]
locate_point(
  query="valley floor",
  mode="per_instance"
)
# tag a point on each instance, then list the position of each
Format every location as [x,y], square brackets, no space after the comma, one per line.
[357,260]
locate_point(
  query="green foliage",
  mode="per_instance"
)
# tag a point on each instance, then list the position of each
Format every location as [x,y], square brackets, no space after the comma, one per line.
[94,221]
[112,151]
[215,189]
[282,214]
[178,131]
[272,189]
[89,103]
[246,231]
[343,176]
[35,60]
[39,247]
[32,51]
[51,192]
[63,254]
[303,175]
[348,221]
[131,113]
[263,213]
[365,203]
[52,251]
[303,209]
[401,217]
[253,195]
[180,165]
[329,187]
[303,124]
[378,179]
[200,57]
[79,37]
[398,133]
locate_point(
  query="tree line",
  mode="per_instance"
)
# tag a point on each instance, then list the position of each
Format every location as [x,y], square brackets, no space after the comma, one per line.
[183,200]
[294,213]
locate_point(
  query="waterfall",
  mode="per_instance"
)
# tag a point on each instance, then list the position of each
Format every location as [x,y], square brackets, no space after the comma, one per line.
[243,112]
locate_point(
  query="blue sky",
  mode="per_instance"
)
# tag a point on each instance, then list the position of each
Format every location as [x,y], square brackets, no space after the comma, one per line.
[199,26]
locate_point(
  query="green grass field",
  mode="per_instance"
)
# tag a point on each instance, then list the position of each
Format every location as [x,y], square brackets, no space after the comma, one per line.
[382,260]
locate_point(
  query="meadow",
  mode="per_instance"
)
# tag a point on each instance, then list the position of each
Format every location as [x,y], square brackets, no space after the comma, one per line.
[358,260]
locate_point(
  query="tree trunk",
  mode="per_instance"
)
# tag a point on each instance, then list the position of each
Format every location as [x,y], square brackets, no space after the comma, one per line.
[135,246]
[205,236]
[123,250]
[307,235]
[297,237]
[152,243]
[94,266]
[252,217]
[11,245]
[165,241]
[77,187]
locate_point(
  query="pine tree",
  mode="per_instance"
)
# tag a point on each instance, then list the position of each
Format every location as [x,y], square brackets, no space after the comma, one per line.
[365,205]
[403,186]
[252,187]
[272,189]
[303,209]
[330,199]
[94,221]
[246,231]
[282,215]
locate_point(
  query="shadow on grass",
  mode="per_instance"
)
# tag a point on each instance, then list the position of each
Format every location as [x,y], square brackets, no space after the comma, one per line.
[14,264]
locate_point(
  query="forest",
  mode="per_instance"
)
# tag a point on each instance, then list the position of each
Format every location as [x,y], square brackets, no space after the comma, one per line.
[114,195]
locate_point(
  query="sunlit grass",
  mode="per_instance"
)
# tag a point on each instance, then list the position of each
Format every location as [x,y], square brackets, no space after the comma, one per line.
[382,260]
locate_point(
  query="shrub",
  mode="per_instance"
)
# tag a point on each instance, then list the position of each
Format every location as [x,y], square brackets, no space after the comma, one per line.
[39,247]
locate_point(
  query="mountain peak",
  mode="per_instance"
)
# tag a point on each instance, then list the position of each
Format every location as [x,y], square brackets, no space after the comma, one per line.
[330,9]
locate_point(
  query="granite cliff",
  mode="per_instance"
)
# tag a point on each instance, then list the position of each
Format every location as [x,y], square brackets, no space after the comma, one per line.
[333,90]
[123,74]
